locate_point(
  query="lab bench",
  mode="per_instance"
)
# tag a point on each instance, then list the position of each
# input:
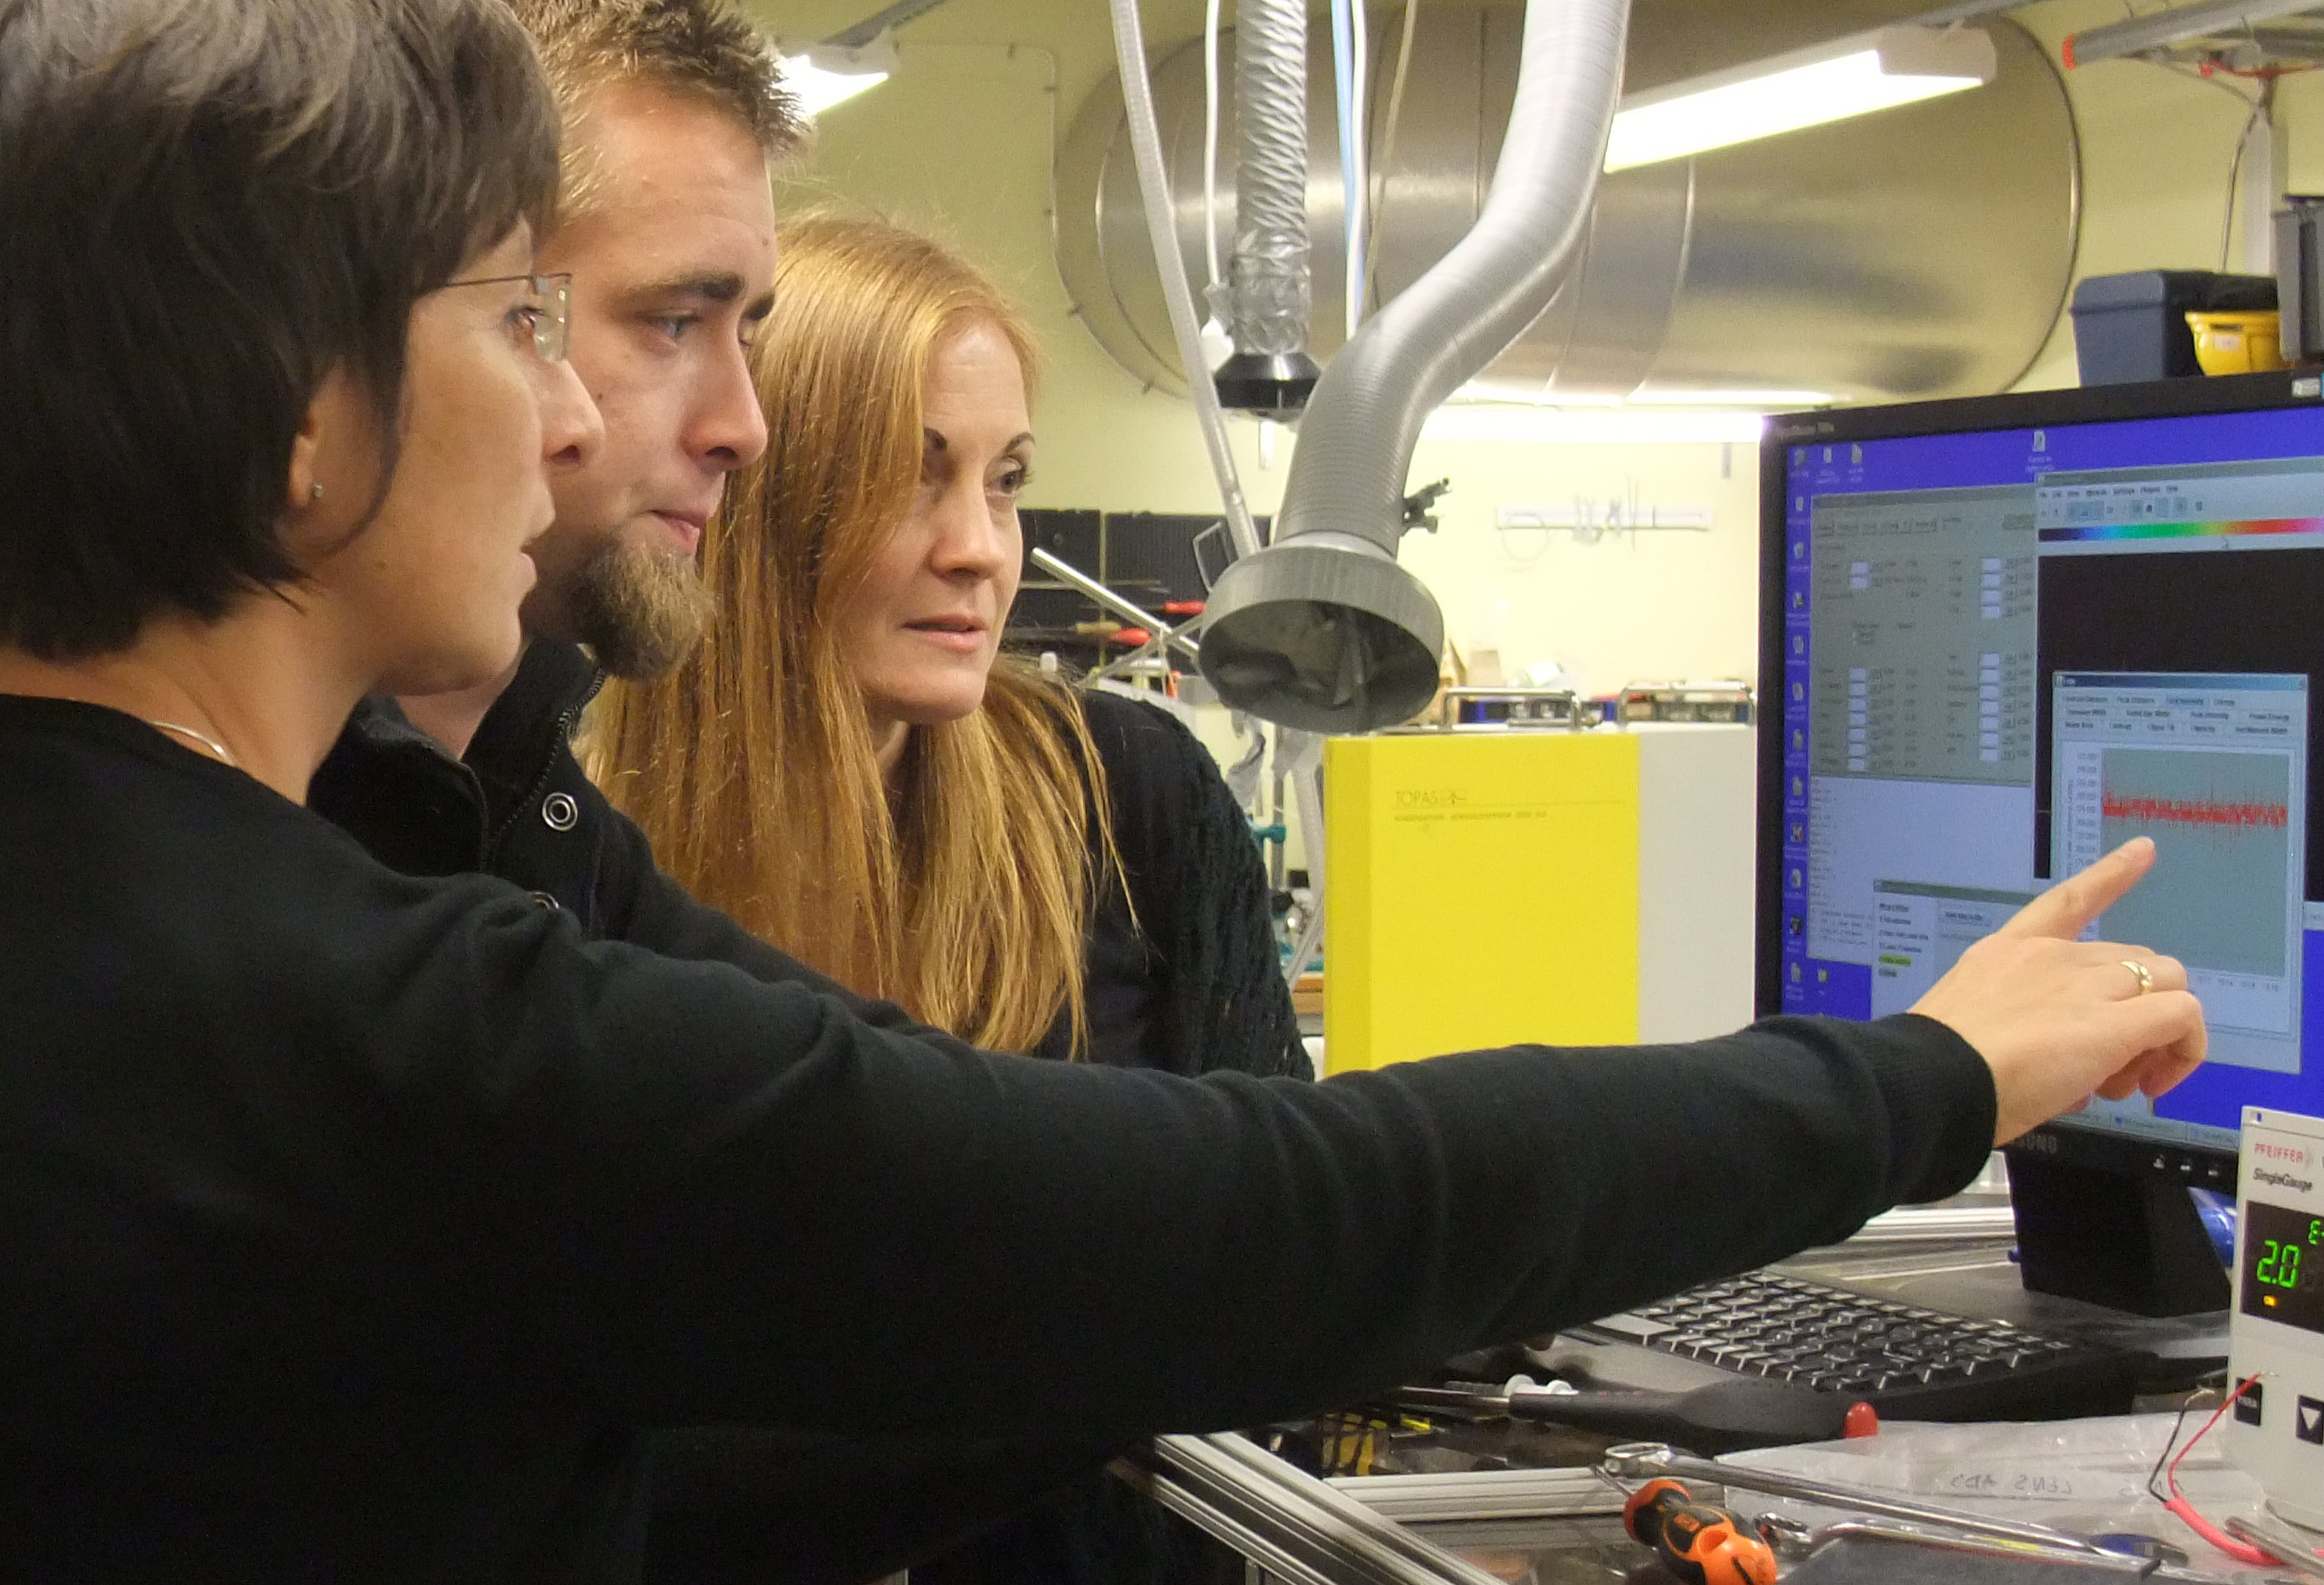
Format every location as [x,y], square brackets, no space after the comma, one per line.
[1556,1521]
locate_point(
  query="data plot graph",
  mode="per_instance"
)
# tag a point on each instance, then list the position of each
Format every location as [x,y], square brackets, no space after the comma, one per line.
[2221,824]
[2214,767]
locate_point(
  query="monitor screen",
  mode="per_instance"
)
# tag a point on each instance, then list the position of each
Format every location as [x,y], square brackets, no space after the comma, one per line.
[2013,632]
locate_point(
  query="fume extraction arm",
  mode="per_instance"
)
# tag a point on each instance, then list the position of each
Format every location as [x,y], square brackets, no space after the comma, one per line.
[1268,291]
[1323,630]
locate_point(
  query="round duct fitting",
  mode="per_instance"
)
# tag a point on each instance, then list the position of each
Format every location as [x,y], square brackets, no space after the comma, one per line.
[1324,632]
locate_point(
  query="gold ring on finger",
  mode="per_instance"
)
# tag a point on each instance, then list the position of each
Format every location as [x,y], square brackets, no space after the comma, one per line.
[2145,979]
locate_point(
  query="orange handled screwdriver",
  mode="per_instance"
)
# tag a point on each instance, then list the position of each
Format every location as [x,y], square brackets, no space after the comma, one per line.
[1701,1544]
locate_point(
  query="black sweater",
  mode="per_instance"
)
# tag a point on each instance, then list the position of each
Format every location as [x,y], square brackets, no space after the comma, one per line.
[1180,972]
[351,1224]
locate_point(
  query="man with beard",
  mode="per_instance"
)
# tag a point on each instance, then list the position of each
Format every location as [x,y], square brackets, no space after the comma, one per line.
[673,112]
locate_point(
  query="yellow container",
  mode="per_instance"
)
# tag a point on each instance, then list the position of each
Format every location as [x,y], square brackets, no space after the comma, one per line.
[2236,343]
[1579,887]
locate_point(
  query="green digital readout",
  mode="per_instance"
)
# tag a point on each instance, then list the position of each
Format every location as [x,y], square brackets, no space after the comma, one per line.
[2283,1266]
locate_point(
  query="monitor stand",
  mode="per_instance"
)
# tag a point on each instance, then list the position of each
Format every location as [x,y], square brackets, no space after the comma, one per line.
[2127,1241]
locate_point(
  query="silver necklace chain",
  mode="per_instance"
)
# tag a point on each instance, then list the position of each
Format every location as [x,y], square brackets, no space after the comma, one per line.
[211,744]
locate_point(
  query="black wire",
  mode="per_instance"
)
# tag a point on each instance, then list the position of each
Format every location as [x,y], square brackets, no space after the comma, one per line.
[2169,1442]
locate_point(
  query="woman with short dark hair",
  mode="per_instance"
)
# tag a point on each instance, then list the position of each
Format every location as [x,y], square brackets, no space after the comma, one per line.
[352,1225]
[278,392]
[208,210]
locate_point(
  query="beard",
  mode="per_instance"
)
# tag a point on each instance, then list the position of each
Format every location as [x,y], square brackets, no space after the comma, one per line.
[641,612]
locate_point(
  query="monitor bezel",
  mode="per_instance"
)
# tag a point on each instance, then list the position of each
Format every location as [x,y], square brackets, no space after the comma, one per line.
[2158,399]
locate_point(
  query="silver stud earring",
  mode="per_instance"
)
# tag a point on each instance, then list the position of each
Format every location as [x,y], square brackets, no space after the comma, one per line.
[315,492]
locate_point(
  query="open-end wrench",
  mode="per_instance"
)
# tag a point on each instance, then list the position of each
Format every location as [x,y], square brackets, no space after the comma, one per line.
[1644,1461]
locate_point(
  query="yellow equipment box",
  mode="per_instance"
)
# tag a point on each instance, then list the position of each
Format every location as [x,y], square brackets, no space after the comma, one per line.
[1572,889]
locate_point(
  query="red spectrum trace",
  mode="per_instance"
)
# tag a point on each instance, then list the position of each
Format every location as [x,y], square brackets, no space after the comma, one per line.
[2195,812]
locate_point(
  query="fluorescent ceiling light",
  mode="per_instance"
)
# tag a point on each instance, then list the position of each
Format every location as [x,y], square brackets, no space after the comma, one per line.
[1596,426]
[1854,76]
[823,75]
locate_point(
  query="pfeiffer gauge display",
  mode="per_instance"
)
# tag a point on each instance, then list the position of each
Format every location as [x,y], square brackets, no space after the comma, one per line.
[2283,1264]
[2276,1333]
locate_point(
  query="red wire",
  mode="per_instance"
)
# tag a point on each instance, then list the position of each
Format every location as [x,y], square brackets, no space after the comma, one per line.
[2242,1551]
[2213,63]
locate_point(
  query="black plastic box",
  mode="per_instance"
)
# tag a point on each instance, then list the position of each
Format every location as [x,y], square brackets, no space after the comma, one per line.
[2300,278]
[2134,327]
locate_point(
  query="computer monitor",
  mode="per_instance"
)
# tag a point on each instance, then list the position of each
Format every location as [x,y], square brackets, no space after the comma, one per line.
[2001,635]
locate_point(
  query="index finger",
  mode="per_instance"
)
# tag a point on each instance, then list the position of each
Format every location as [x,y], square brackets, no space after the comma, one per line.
[2067,909]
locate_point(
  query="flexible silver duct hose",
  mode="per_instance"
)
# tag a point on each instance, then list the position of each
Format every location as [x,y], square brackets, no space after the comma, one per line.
[1271,299]
[1355,445]
[1177,292]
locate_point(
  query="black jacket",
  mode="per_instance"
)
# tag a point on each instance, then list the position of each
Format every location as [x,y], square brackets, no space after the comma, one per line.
[350,1224]
[519,807]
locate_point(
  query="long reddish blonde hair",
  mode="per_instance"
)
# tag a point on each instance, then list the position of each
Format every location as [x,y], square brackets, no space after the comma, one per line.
[961,887]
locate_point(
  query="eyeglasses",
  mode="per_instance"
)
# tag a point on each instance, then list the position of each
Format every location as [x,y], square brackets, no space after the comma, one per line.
[549,307]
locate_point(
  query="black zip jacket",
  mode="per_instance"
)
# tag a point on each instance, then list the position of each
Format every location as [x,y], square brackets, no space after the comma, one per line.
[351,1224]
[518,807]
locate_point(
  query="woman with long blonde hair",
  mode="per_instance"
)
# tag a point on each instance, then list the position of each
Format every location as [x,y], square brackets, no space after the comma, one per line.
[853,770]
